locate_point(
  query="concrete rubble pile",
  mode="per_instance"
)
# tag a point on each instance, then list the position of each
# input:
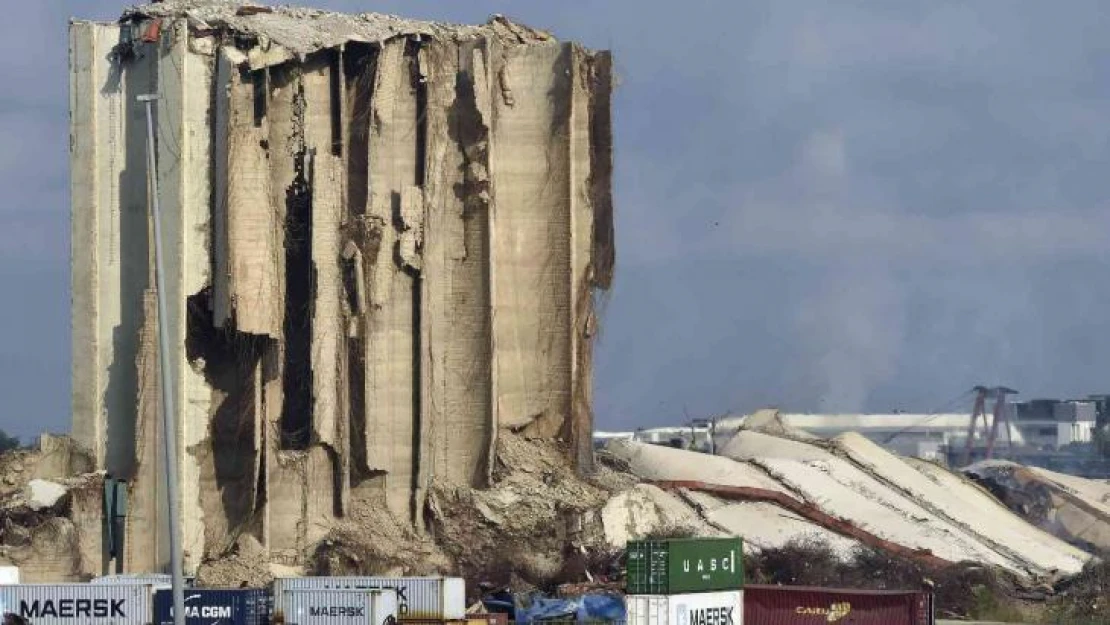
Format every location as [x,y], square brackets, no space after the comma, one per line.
[538,523]
[51,510]
[1073,508]
[845,492]
[384,238]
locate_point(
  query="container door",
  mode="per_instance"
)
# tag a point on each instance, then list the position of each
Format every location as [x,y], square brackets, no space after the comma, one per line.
[385,604]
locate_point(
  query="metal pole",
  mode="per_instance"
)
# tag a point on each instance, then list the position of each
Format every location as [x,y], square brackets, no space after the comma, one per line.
[169,428]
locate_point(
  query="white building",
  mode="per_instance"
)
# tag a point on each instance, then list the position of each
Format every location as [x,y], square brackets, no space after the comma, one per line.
[924,436]
[918,435]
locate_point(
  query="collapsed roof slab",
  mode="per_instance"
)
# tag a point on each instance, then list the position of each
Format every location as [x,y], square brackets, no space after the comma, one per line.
[948,495]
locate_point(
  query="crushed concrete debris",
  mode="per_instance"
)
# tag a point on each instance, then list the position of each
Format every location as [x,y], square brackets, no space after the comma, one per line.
[646,510]
[42,494]
[286,33]
[53,530]
[55,457]
[1072,508]
[526,527]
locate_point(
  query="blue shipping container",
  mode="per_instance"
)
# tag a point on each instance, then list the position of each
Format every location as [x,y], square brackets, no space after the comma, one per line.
[248,606]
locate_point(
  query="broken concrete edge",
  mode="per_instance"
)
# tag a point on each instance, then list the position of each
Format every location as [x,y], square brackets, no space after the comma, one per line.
[280,34]
[984,476]
[55,457]
[42,494]
[62,542]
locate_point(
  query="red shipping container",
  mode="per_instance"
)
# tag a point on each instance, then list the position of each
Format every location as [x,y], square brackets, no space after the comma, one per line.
[800,605]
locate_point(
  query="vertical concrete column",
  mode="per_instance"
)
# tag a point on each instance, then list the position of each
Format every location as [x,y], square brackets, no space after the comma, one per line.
[88,68]
[531,237]
[327,477]
[578,429]
[185,183]
[456,418]
[109,243]
[392,385]
[286,142]
[247,285]
[146,529]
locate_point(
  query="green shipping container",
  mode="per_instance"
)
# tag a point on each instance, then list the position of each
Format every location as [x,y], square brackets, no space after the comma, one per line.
[684,565]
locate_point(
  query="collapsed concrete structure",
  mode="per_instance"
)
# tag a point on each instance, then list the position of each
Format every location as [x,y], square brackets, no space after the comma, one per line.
[1073,508]
[384,238]
[773,484]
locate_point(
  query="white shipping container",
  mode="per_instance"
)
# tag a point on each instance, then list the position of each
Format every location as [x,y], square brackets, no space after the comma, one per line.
[418,598]
[9,575]
[158,580]
[336,607]
[77,604]
[703,608]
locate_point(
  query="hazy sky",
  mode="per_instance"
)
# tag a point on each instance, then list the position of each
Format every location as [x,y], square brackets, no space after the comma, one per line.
[823,206]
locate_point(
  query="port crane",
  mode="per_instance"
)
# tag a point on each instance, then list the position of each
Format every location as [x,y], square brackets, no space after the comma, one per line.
[999,415]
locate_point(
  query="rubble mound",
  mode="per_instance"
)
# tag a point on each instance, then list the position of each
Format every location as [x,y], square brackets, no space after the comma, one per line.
[52,529]
[1072,508]
[246,565]
[54,457]
[538,524]
[372,542]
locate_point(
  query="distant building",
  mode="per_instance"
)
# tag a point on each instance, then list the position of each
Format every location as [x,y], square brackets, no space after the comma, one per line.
[1041,426]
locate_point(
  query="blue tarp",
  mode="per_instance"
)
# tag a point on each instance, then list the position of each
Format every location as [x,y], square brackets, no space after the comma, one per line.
[536,607]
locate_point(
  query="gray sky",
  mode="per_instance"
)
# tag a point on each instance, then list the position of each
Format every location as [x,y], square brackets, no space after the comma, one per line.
[823,206]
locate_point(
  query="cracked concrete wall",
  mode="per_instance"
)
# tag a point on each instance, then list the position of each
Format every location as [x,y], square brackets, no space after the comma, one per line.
[390,356]
[146,537]
[530,249]
[248,256]
[185,186]
[457,419]
[108,248]
[381,252]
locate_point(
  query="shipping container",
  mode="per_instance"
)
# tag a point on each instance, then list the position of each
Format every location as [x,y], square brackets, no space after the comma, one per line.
[418,598]
[789,605]
[209,606]
[702,608]
[663,567]
[76,604]
[159,580]
[335,607]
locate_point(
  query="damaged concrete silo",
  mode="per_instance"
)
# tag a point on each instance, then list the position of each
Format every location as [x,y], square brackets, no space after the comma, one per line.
[384,241]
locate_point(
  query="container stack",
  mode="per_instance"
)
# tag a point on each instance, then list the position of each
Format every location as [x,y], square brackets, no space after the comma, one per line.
[427,599]
[307,606]
[148,600]
[688,581]
[215,606]
[77,604]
